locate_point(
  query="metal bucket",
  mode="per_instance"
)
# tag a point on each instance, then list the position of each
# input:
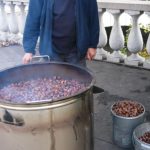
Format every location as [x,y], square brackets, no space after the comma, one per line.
[66,124]
[123,128]
[138,132]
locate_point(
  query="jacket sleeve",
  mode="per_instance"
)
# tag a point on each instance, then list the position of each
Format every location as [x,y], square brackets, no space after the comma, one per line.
[94,24]
[32,26]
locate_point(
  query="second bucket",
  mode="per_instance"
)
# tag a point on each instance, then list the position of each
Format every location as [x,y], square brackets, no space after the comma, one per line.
[123,128]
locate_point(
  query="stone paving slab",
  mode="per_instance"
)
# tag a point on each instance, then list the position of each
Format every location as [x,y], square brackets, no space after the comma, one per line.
[119,82]
[102,145]
[10,56]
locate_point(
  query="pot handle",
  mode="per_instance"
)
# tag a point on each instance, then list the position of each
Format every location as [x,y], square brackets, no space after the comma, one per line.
[97,90]
[11,120]
[40,59]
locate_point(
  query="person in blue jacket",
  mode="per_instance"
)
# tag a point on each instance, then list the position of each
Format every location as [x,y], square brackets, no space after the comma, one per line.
[68,30]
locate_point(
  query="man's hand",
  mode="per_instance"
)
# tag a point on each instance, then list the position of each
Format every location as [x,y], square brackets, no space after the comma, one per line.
[27,58]
[91,53]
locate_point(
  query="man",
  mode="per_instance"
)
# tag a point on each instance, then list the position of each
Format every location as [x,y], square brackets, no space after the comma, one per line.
[68,30]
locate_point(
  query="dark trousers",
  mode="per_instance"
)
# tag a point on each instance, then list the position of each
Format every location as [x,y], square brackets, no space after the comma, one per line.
[69,58]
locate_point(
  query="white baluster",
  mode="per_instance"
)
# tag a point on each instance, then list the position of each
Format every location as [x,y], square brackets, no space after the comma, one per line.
[4,29]
[12,22]
[116,40]
[135,41]
[148,45]
[147,62]
[21,19]
[101,53]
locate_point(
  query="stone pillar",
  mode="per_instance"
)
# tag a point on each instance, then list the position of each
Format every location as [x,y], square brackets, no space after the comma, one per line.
[4,29]
[147,62]
[12,22]
[116,40]
[21,19]
[101,53]
[135,41]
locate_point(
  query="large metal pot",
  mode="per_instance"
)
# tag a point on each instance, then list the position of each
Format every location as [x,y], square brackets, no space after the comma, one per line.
[66,124]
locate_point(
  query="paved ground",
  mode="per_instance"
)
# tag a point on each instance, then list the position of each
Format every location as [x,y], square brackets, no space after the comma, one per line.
[119,82]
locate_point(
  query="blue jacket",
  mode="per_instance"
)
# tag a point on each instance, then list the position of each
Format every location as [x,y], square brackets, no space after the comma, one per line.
[39,23]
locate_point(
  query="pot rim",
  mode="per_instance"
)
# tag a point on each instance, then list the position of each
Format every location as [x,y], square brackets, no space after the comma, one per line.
[136,138]
[40,106]
[128,118]
[47,101]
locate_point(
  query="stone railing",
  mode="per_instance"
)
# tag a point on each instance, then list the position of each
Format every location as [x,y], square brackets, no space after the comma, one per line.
[12,20]
[13,15]
[116,40]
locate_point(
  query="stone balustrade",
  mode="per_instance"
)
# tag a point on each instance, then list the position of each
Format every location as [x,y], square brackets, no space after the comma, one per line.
[135,44]
[12,20]
[13,15]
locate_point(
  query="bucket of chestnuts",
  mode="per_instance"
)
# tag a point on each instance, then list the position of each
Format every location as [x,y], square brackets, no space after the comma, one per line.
[141,137]
[126,116]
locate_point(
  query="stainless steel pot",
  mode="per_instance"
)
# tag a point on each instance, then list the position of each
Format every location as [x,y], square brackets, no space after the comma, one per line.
[66,124]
